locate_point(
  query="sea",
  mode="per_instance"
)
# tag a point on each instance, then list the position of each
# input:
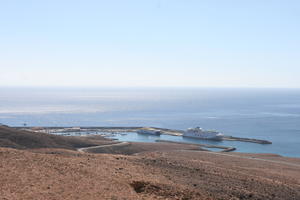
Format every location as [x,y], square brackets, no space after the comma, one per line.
[268,114]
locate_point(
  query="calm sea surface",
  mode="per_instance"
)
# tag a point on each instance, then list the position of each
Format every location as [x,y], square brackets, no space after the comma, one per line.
[271,114]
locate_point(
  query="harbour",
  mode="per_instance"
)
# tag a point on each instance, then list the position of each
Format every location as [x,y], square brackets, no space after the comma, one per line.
[133,134]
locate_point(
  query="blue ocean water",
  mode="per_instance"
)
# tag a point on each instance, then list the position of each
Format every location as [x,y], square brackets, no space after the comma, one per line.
[271,114]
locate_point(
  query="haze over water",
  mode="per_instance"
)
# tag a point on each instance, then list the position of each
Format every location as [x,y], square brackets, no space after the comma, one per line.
[271,114]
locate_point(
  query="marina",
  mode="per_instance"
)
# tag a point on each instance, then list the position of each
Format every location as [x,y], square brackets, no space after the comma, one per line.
[145,130]
[155,134]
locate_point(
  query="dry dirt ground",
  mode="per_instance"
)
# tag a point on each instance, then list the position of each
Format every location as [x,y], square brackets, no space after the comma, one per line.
[42,166]
[131,148]
[22,139]
[66,174]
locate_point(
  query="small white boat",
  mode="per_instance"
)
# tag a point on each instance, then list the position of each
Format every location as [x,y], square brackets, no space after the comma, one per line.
[199,133]
[149,131]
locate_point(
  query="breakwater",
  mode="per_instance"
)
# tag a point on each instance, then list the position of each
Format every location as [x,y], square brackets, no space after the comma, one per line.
[231,138]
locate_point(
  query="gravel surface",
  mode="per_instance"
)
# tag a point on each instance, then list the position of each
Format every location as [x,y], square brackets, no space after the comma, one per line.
[66,174]
[40,166]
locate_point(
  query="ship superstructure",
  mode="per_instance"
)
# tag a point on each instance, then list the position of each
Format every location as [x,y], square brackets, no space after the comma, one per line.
[202,134]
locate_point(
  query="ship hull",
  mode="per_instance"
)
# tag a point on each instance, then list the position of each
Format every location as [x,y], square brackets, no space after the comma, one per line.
[217,138]
[145,132]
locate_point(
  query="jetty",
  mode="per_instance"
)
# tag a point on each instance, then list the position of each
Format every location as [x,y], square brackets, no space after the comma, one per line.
[231,138]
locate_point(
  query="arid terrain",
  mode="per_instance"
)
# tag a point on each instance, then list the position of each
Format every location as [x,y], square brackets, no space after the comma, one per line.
[42,166]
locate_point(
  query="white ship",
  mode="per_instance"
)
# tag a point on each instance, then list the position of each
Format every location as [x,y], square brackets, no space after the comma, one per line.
[202,134]
[149,131]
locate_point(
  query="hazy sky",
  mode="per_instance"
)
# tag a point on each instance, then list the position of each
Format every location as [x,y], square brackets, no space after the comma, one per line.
[240,43]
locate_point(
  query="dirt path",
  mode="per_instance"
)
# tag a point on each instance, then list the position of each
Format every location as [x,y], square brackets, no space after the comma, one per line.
[85,149]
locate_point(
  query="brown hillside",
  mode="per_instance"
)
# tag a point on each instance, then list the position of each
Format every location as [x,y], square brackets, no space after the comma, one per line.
[157,171]
[20,139]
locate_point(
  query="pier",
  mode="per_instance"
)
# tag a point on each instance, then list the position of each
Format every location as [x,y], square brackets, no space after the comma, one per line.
[231,138]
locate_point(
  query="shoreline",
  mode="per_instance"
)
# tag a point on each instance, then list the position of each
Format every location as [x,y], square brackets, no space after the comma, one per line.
[101,130]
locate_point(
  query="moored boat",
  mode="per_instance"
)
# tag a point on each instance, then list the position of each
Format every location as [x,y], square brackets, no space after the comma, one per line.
[149,131]
[199,133]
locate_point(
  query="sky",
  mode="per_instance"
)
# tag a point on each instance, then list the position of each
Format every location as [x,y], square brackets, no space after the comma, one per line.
[152,43]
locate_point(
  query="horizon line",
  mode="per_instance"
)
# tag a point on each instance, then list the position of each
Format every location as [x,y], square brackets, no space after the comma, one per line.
[146,87]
